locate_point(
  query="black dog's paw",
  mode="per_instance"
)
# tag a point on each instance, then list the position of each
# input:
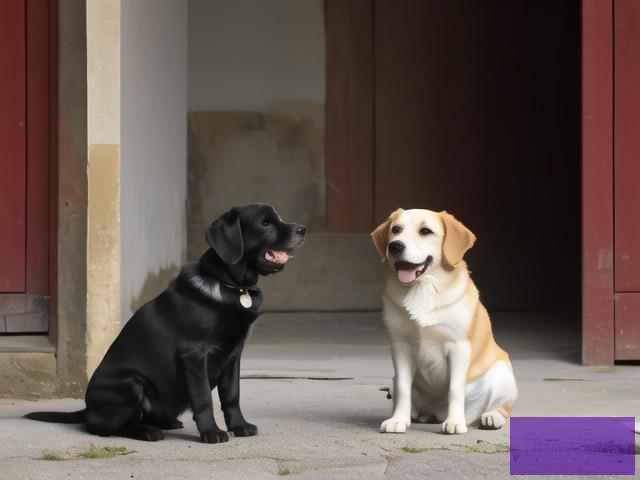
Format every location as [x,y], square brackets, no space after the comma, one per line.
[147,433]
[217,436]
[246,430]
[153,435]
[174,425]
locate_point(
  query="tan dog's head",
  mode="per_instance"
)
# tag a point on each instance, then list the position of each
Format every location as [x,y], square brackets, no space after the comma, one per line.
[413,240]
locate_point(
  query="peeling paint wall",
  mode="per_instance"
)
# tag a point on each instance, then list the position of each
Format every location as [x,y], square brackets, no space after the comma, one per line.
[244,157]
[154,148]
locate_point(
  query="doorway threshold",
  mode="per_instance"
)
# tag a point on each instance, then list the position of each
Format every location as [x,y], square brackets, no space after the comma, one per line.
[26,343]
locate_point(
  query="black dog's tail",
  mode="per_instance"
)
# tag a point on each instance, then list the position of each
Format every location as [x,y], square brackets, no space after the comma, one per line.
[57,417]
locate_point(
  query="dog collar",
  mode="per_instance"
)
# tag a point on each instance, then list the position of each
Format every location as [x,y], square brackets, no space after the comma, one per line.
[245,294]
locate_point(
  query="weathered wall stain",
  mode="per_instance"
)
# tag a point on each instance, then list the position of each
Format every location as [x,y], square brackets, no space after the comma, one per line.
[103,251]
[242,157]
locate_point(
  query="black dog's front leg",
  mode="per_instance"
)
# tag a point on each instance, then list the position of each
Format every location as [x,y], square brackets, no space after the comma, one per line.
[229,393]
[194,364]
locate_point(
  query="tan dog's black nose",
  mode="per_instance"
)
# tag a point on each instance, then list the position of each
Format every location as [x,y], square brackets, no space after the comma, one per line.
[396,248]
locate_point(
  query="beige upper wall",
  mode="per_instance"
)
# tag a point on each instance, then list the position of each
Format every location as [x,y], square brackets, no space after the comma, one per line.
[249,54]
[103,71]
[154,147]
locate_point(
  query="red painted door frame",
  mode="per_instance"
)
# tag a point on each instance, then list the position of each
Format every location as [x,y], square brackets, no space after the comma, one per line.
[27,309]
[597,182]
[610,172]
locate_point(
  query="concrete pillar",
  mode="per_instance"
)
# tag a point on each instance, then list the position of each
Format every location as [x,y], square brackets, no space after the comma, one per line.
[103,210]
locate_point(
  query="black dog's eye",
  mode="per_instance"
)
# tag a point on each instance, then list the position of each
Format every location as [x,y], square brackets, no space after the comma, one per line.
[396,229]
[424,231]
[266,222]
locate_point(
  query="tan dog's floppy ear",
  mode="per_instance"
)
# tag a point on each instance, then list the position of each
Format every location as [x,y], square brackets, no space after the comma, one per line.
[380,235]
[457,239]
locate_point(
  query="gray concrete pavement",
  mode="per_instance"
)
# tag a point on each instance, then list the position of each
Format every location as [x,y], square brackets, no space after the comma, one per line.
[311,383]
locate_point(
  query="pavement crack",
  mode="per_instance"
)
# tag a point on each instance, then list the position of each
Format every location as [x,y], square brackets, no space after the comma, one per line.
[292,377]
[390,459]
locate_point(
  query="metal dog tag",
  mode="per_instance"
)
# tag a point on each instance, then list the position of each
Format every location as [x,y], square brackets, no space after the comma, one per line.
[245,300]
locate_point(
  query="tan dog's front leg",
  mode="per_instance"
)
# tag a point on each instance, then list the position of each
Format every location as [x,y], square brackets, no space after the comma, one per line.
[458,356]
[404,366]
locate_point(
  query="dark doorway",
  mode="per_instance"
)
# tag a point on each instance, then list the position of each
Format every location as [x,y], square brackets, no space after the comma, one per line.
[476,109]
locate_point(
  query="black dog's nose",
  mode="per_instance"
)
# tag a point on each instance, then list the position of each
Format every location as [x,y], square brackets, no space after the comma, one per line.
[396,248]
[301,230]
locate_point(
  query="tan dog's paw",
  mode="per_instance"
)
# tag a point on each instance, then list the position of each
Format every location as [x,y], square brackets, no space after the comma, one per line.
[452,426]
[492,420]
[395,425]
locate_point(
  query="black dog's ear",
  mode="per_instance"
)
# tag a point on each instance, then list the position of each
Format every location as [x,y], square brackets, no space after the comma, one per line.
[225,237]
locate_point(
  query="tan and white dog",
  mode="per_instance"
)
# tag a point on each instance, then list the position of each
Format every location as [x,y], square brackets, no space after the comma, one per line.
[448,368]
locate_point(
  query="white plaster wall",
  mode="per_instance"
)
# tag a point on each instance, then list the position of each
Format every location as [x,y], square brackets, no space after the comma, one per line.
[154,146]
[246,55]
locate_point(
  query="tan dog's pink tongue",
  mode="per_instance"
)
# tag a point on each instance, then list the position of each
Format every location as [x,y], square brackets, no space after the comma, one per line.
[407,275]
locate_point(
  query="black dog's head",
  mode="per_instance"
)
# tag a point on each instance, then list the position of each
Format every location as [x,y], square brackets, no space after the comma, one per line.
[252,239]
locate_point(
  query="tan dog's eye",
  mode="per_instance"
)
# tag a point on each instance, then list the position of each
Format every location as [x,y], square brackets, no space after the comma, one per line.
[396,229]
[424,231]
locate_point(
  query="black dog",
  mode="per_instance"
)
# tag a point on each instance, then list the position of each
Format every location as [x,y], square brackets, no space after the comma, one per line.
[178,347]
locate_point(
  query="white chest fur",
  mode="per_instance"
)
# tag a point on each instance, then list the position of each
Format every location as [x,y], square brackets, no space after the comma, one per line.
[432,321]
[427,304]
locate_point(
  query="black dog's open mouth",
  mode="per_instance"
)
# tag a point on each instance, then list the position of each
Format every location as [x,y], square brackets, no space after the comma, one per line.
[279,257]
[408,272]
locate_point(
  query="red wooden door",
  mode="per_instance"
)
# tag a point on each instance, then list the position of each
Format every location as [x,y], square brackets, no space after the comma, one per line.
[12,147]
[627,179]
[26,81]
